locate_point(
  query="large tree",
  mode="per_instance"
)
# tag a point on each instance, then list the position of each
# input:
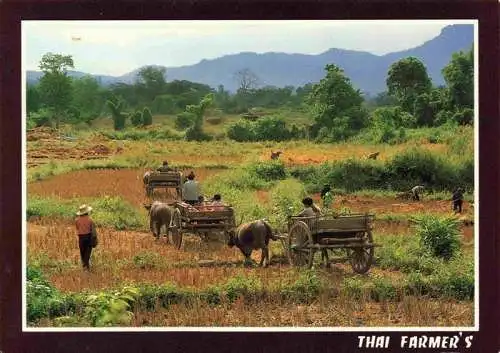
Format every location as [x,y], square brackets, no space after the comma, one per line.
[459,77]
[152,80]
[55,84]
[88,97]
[336,103]
[407,79]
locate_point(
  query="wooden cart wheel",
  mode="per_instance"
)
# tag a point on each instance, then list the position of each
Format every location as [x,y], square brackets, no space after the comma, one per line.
[298,238]
[176,229]
[362,258]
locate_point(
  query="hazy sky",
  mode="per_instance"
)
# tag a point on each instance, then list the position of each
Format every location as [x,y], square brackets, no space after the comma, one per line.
[118,47]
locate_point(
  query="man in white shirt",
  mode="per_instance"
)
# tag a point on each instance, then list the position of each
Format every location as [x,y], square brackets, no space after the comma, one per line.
[310,209]
[191,190]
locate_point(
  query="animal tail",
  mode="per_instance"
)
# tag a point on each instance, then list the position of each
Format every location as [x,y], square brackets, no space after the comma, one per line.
[269,229]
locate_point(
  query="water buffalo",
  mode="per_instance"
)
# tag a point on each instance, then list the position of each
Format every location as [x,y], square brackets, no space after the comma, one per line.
[275,155]
[252,236]
[145,178]
[160,214]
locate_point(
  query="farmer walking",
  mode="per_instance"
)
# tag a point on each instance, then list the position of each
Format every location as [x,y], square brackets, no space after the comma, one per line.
[85,229]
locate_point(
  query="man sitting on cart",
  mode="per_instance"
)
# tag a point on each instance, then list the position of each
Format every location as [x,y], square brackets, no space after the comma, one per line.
[310,209]
[164,167]
[191,190]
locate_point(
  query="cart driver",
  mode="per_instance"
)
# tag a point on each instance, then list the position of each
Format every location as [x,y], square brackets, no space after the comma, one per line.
[191,190]
[164,167]
[310,209]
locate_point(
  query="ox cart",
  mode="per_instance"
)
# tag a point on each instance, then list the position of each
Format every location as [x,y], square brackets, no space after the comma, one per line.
[200,219]
[167,180]
[351,234]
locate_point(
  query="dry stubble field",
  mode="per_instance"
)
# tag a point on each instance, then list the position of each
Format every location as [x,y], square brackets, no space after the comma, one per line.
[117,259]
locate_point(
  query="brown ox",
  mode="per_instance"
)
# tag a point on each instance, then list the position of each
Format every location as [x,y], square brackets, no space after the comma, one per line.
[160,214]
[252,236]
[275,155]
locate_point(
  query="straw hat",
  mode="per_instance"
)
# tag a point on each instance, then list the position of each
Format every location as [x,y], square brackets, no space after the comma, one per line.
[84,209]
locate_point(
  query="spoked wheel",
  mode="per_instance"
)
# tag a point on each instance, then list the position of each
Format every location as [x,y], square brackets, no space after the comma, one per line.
[361,258]
[299,238]
[176,229]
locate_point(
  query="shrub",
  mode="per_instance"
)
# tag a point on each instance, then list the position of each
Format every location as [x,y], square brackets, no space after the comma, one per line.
[438,235]
[147,118]
[286,199]
[241,131]
[184,120]
[464,117]
[42,117]
[196,133]
[273,170]
[136,118]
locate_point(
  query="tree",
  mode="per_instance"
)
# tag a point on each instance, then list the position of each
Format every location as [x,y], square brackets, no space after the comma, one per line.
[33,99]
[152,80]
[246,79]
[55,84]
[406,80]
[116,106]
[87,97]
[147,118]
[335,104]
[459,77]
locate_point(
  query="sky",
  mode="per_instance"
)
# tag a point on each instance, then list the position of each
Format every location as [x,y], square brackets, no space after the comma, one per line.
[118,47]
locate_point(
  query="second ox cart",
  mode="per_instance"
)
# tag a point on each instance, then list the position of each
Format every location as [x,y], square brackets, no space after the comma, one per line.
[351,234]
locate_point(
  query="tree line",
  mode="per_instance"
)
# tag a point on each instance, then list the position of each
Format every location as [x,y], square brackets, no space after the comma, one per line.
[337,110]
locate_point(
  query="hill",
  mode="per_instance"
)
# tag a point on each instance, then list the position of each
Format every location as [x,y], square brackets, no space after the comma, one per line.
[367,71]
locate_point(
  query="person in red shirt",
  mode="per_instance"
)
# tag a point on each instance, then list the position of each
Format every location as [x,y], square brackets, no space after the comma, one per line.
[84,228]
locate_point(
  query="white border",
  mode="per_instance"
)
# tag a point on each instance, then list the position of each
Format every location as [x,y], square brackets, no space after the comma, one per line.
[266,329]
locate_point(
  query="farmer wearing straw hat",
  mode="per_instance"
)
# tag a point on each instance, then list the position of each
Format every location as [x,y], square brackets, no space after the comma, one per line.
[85,228]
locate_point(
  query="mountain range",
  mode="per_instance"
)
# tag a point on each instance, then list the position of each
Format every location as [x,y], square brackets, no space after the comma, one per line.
[367,71]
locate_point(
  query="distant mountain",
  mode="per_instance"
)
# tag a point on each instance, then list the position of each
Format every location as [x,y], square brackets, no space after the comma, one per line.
[367,72]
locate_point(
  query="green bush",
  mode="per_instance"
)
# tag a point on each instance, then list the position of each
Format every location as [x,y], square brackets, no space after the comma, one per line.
[241,131]
[164,104]
[136,118]
[184,120]
[147,118]
[464,117]
[196,133]
[272,170]
[438,235]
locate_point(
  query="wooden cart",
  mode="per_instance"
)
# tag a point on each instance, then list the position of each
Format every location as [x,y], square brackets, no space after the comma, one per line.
[167,180]
[351,234]
[201,219]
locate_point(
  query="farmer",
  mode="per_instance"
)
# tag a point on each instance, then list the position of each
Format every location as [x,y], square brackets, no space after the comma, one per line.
[416,191]
[458,198]
[84,228]
[164,167]
[191,190]
[326,196]
[310,209]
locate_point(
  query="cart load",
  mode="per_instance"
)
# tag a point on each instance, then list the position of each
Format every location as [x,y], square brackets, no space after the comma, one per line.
[167,180]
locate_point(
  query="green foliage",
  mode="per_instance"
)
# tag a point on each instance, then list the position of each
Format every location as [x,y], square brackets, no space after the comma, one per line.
[136,118]
[42,117]
[417,166]
[116,105]
[406,80]
[184,120]
[147,118]
[270,128]
[464,116]
[55,86]
[271,170]
[151,82]
[241,286]
[336,106]
[87,98]
[306,288]
[459,77]
[33,98]
[112,210]
[286,200]
[438,235]
[137,135]
[165,104]
[196,133]
[147,260]
[111,309]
